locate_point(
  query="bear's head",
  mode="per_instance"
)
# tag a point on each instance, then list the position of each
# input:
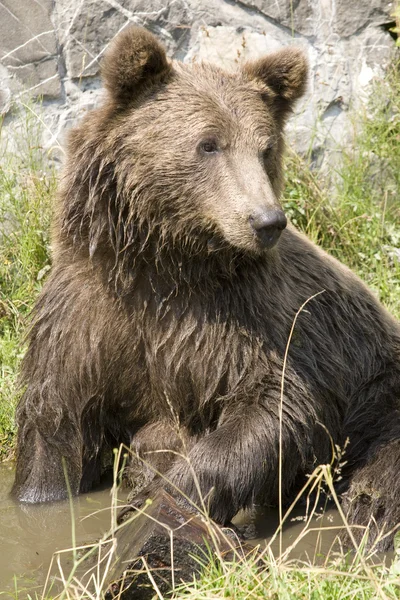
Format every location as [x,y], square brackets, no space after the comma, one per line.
[182,153]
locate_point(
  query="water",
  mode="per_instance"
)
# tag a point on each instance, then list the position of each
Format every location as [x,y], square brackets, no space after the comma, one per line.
[304,541]
[29,535]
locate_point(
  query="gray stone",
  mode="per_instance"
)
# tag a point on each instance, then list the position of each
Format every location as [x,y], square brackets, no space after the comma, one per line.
[5,91]
[352,17]
[230,47]
[306,17]
[28,45]
[40,78]
[85,29]
[294,15]
[54,48]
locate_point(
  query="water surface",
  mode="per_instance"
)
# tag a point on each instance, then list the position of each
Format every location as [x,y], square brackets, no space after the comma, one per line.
[29,535]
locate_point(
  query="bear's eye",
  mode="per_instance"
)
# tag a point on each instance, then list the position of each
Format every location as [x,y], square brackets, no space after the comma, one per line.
[209,146]
[267,152]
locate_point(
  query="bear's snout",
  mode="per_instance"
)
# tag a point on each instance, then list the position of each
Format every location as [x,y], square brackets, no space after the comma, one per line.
[267,226]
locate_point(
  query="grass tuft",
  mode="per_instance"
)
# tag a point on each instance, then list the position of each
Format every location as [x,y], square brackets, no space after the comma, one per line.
[27,187]
[358,220]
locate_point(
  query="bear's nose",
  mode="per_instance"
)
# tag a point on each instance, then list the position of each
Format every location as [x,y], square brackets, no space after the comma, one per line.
[268,226]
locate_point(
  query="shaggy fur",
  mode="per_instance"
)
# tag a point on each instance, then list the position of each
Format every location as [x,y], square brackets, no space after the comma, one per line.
[164,321]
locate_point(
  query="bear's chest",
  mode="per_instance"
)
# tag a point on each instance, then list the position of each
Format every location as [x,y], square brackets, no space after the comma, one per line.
[195,359]
[203,347]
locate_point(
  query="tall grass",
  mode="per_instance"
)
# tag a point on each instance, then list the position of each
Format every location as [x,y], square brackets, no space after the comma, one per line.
[27,187]
[357,220]
[258,574]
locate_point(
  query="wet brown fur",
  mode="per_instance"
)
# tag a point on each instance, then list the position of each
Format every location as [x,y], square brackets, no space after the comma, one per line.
[162,315]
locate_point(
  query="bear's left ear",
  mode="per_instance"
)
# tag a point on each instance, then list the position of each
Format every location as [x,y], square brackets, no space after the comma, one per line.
[285,75]
[134,61]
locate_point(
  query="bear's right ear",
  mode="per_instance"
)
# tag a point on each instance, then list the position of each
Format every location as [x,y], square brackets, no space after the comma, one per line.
[135,60]
[284,73]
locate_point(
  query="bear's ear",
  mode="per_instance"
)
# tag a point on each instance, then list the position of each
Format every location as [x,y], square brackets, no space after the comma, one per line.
[135,60]
[284,73]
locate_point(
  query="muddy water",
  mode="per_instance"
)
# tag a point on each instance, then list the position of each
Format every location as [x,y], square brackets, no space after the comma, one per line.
[300,539]
[29,535]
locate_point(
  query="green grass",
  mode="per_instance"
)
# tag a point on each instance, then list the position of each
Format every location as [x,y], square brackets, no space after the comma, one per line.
[357,220]
[85,572]
[26,193]
[337,575]
[337,580]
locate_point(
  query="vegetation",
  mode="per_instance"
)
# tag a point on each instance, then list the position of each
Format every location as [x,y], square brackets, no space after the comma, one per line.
[80,573]
[27,188]
[357,219]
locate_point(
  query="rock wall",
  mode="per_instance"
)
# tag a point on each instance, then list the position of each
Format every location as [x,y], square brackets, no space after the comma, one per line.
[52,49]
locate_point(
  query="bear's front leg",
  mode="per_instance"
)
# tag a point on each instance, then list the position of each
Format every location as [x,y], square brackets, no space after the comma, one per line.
[373,499]
[371,471]
[62,416]
[47,454]
[238,463]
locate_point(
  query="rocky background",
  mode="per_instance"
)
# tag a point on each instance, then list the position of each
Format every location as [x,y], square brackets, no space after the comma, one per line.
[51,50]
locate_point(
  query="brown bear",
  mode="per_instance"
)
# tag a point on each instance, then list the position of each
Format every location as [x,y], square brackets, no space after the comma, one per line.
[175,283]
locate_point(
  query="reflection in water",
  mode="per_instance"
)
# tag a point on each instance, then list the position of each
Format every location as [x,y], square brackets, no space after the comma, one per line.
[29,535]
